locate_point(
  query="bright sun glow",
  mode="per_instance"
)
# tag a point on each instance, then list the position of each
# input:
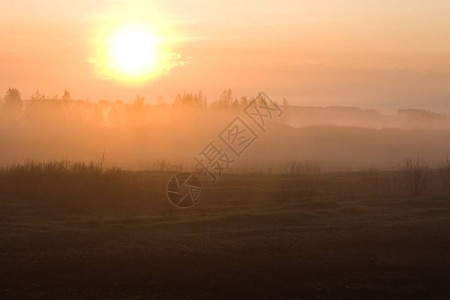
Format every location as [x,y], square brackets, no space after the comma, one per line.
[133,51]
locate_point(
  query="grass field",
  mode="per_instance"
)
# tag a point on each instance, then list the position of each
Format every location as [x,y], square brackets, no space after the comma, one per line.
[114,235]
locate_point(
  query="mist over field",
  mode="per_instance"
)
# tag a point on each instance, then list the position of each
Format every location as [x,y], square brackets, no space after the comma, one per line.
[137,135]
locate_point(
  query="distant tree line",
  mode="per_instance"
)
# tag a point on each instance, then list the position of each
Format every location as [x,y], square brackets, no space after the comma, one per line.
[190,100]
[13,100]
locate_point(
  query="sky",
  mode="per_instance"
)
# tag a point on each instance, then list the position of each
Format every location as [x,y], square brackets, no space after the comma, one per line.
[376,54]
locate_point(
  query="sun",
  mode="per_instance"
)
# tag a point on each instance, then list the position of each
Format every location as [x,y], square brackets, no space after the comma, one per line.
[133,51]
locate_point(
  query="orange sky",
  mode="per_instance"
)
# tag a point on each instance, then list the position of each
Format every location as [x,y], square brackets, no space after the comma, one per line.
[380,54]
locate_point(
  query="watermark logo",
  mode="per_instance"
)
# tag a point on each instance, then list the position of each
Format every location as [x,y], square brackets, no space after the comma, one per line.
[184,190]
[263,109]
[238,136]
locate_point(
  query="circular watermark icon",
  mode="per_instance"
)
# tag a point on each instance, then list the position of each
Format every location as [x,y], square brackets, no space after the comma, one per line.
[184,190]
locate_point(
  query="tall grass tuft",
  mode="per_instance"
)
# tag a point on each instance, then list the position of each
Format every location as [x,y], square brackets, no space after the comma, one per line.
[417,176]
[444,174]
[60,181]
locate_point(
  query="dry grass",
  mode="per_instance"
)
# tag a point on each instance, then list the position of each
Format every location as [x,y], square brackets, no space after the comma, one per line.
[417,176]
[444,172]
[37,168]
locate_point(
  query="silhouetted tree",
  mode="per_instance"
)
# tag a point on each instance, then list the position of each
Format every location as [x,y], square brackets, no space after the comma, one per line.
[202,101]
[190,100]
[138,101]
[225,100]
[37,96]
[13,99]
[66,96]
[243,101]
